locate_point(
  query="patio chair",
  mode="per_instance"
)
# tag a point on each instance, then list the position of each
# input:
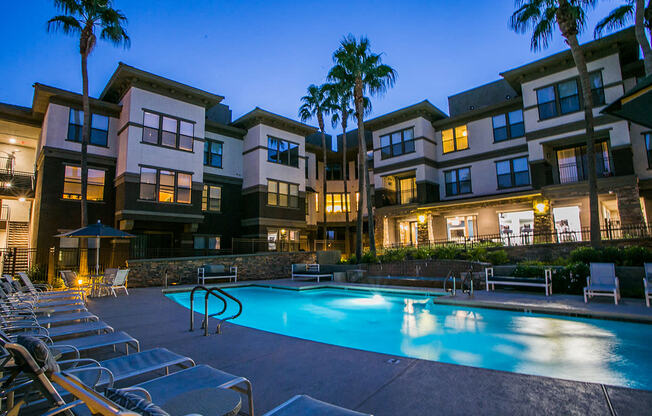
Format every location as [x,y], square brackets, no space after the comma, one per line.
[602,282]
[305,405]
[647,283]
[119,281]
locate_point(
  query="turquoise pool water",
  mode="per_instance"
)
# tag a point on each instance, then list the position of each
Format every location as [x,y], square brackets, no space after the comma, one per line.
[410,325]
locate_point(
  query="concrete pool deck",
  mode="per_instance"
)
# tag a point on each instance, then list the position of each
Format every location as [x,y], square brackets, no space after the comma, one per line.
[280,367]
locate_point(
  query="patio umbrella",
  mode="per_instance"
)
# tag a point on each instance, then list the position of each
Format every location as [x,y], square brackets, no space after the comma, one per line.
[96,231]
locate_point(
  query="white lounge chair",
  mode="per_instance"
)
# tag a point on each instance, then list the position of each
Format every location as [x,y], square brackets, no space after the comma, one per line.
[602,281]
[118,282]
[647,283]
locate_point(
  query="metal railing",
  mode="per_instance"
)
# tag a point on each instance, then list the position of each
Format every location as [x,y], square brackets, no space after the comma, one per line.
[212,292]
[575,172]
[607,232]
[262,245]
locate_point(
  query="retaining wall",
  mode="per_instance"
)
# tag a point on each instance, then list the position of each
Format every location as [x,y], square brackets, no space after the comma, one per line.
[552,251]
[432,268]
[152,272]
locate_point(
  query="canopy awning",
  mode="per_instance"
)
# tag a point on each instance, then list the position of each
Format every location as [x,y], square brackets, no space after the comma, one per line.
[635,105]
[97,230]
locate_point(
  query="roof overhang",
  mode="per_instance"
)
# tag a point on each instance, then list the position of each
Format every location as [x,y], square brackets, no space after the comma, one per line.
[20,115]
[635,105]
[45,94]
[423,109]
[126,76]
[260,116]
[225,129]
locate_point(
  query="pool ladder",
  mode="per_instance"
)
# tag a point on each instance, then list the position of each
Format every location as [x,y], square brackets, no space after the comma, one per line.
[220,294]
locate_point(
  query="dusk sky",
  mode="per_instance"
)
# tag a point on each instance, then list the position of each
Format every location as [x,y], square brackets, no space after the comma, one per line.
[265,53]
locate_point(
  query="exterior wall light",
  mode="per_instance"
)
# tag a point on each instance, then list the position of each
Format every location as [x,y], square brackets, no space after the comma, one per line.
[79,282]
[541,206]
[422,219]
[21,199]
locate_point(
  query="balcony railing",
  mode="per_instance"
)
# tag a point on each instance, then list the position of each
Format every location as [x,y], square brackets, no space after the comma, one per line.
[11,178]
[576,172]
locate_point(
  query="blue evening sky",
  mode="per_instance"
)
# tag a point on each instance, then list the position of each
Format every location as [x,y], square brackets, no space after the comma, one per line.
[265,53]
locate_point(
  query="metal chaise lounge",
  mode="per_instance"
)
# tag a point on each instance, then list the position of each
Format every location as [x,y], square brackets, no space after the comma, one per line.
[61,331]
[11,294]
[44,291]
[647,283]
[602,282]
[305,405]
[310,271]
[491,280]
[92,342]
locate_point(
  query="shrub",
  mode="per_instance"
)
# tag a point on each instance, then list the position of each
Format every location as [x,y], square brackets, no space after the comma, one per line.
[420,253]
[496,257]
[37,274]
[447,252]
[390,255]
[636,256]
[586,255]
[368,257]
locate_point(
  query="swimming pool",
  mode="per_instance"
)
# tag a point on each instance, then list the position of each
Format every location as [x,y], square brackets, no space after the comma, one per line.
[409,324]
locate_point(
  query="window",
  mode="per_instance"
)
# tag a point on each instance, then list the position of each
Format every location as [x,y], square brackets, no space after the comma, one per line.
[648,147]
[461,228]
[282,151]
[213,154]
[168,131]
[335,202]
[334,172]
[72,184]
[282,194]
[407,190]
[211,198]
[397,143]
[508,126]
[512,173]
[164,185]
[99,128]
[207,242]
[564,97]
[455,139]
[458,181]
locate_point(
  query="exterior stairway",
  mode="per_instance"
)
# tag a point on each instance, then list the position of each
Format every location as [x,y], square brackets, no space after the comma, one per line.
[17,237]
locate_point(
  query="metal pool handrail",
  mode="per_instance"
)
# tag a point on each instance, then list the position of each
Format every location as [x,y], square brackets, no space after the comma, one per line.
[219,324]
[192,310]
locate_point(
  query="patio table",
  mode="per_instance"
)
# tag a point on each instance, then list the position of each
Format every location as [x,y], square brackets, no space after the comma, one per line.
[208,401]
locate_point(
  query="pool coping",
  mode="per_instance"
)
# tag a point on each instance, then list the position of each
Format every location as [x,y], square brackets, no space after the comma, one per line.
[438,297]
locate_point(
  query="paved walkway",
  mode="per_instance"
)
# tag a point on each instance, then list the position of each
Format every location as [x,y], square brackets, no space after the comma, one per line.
[280,367]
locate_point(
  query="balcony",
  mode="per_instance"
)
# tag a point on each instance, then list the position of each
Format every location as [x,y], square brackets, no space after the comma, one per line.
[577,171]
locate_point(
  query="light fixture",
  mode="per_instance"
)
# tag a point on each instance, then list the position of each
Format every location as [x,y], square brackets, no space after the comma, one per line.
[7,184]
[79,282]
[422,219]
[12,140]
[21,199]
[541,207]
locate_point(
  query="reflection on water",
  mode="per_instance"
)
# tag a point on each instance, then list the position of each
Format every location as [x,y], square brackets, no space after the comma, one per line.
[580,349]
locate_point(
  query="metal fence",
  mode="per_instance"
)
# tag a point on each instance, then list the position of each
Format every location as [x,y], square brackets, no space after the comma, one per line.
[608,232]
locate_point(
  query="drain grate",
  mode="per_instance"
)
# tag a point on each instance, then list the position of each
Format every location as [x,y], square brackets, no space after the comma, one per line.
[393,361]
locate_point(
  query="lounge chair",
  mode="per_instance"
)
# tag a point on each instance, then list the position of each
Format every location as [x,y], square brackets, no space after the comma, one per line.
[61,331]
[647,283]
[602,282]
[305,405]
[111,339]
[118,281]
[44,291]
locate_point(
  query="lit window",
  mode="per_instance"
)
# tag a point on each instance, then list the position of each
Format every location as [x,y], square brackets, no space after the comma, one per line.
[455,139]
[164,185]
[72,184]
[336,202]
[212,198]
[407,190]
[282,194]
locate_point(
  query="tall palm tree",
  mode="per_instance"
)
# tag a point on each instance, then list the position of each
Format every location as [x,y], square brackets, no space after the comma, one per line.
[621,16]
[316,104]
[84,18]
[341,97]
[364,71]
[540,16]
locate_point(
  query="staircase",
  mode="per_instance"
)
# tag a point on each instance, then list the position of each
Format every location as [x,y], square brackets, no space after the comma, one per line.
[17,237]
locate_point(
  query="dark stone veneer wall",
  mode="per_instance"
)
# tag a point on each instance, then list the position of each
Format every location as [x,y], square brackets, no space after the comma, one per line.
[151,272]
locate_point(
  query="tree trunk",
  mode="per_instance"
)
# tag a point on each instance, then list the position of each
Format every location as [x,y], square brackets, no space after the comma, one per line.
[361,155]
[320,119]
[580,63]
[359,107]
[345,171]
[639,28]
[86,132]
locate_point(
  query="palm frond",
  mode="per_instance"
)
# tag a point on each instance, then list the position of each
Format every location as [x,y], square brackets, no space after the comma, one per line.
[70,7]
[66,24]
[116,35]
[616,19]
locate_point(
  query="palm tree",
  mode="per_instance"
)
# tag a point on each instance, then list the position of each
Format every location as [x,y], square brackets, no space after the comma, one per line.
[316,104]
[540,16]
[84,18]
[621,16]
[341,98]
[358,67]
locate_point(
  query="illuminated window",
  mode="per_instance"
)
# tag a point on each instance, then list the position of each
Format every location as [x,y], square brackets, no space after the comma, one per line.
[336,202]
[455,139]
[407,190]
[211,198]
[72,184]
[461,228]
[282,194]
[164,185]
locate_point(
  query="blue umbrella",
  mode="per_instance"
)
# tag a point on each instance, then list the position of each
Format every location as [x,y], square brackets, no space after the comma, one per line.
[96,231]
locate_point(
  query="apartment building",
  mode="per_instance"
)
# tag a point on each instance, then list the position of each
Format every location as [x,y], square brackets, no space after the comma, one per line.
[168,164]
[509,162]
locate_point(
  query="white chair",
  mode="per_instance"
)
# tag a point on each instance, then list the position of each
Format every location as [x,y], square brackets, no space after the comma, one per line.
[647,283]
[602,281]
[118,282]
